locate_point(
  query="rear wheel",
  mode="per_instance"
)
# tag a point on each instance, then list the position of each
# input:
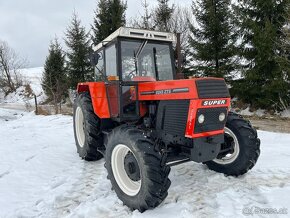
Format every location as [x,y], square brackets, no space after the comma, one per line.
[241,148]
[135,169]
[88,136]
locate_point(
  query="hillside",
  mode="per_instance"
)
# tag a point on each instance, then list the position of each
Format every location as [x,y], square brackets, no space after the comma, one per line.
[23,97]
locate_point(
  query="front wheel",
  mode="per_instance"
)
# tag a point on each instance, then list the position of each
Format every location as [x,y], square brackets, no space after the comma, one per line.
[135,169]
[240,150]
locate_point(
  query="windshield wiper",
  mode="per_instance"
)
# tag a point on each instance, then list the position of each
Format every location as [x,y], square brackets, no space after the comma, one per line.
[155,62]
[141,48]
[136,55]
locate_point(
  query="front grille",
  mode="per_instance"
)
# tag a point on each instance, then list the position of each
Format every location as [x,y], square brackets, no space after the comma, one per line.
[172,116]
[212,88]
[211,122]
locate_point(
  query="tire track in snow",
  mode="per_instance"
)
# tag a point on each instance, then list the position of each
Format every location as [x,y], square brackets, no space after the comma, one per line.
[199,187]
[194,189]
[92,176]
[4,174]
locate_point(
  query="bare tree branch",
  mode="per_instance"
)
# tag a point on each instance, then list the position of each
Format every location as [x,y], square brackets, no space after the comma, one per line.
[10,64]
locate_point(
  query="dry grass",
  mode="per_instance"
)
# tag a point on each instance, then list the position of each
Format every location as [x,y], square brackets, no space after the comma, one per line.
[50,110]
[41,111]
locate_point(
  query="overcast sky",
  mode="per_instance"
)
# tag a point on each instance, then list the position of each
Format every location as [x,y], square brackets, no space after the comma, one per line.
[29,25]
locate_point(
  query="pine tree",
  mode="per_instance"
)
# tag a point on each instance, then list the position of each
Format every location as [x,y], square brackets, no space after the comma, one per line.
[213,39]
[266,81]
[285,46]
[101,26]
[78,43]
[163,14]
[117,9]
[109,16]
[54,75]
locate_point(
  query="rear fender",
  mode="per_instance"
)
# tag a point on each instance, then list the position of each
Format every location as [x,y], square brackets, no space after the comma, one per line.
[98,94]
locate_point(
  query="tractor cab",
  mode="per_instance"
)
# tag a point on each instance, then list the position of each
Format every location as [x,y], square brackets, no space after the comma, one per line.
[128,57]
[133,55]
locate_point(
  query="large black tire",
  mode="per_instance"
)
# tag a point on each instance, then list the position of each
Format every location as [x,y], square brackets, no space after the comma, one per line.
[150,175]
[245,155]
[88,136]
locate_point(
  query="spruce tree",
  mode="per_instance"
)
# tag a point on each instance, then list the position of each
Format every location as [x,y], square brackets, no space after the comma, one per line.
[213,39]
[163,14]
[78,65]
[101,26]
[117,9]
[285,46]
[266,81]
[109,16]
[54,75]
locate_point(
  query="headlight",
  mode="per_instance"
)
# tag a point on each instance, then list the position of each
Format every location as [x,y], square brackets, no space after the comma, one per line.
[222,117]
[201,118]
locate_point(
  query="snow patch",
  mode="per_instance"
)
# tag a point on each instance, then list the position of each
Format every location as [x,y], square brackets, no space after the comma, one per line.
[285,113]
[260,112]
[246,112]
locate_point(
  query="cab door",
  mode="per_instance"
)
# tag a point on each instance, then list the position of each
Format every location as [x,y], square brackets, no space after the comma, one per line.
[129,104]
[122,96]
[123,100]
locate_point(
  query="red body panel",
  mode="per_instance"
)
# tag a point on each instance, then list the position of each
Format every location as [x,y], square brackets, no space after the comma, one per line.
[113,98]
[99,97]
[168,85]
[193,107]
[150,91]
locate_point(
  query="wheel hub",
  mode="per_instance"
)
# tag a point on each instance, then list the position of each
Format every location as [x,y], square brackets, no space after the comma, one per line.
[132,167]
[227,147]
[230,149]
[80,126]
[126,170]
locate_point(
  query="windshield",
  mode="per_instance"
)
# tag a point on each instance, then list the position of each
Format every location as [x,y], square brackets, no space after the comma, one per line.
[146,61]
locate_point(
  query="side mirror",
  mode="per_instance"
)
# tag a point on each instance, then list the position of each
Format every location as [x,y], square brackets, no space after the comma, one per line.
[95,58]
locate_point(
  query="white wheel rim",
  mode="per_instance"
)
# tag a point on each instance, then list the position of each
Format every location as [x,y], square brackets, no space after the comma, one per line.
[229,158]
[127,185]
[79,122]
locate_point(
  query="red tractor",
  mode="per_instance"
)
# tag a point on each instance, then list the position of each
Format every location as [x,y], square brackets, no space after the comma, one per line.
[142,120]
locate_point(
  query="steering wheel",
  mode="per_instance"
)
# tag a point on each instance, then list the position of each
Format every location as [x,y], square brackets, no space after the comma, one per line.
[131,74]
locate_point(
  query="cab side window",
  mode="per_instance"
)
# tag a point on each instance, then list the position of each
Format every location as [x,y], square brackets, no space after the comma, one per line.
[111,61]
[99,68]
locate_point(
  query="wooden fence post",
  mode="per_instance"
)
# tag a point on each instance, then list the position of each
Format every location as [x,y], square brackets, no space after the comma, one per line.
[36,107]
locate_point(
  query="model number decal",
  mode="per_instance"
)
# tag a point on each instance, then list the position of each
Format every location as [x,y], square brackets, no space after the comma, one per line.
[162,92]
[213,102]
[166,91]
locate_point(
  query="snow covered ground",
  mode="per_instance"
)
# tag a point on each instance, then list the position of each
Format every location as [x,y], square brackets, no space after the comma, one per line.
[41,175]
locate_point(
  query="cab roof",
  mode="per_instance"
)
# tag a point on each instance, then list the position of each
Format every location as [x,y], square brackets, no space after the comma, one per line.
[137,34]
